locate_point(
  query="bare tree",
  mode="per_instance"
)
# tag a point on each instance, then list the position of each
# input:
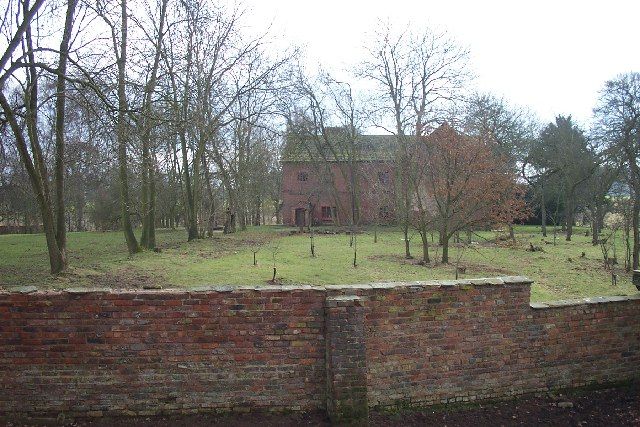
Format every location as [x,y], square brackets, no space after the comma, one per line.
[146,122]
[119,33]
[379,193]
[618,124]
[218,68]
[324,121]
[417,75]
[32,155]
[596,192]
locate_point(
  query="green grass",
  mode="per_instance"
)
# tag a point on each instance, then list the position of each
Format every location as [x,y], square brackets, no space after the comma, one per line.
[100,259]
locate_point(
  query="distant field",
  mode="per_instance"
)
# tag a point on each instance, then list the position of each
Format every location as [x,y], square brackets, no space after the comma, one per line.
[100,259]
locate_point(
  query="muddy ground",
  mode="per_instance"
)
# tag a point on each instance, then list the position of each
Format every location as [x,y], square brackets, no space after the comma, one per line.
[606,407]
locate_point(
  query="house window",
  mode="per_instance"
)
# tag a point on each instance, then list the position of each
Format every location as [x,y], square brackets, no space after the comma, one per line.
[303,176]
[384,212]
[328,212]
[383,177]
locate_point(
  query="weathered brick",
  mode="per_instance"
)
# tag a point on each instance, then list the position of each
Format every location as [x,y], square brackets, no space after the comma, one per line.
[282,348]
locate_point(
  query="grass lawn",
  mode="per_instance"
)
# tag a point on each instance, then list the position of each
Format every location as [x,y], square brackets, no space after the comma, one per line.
[100,259]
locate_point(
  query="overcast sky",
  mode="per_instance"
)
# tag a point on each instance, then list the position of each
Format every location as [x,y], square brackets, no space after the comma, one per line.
[550,56]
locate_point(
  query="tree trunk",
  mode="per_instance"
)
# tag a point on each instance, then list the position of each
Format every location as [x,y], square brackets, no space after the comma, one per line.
[569,220]
[144,195]
[61,235]
[276,208]
[148,239]
[355,251]
[445,248]
[36,168]
[424,235]
[132,243]
[56,259]
[24,27]
[543,213]
[230,223]
[627,242]
[355,215]
[407,249]
[191,220]
[242,218]
[595,225]
[231,215]
[211,219]
[258,212]
[313,247]
[636,232]
[80,212]
[151,217]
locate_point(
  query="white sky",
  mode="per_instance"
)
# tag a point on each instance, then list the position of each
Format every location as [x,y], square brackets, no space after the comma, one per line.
[550,56]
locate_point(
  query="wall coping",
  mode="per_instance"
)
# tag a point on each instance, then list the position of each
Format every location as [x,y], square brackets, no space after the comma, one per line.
[490,281]
[414,286]
[584,301]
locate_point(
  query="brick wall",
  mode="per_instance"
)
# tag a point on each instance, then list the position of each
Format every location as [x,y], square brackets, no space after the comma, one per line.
[318,191]
[342,348]
[149,351]
[462,342]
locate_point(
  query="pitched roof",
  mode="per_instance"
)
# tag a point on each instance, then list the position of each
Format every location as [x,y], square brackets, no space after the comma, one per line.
[337,145]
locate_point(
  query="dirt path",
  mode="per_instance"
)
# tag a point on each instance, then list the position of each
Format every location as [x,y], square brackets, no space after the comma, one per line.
[609,407]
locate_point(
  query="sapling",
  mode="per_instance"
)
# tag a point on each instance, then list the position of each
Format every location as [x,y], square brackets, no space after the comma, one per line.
[461,250]
[274,251]
[355,250]
[609,243]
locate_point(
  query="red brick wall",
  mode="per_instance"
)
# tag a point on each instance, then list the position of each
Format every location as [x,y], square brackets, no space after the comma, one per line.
[297,194]
[429,344]
[433,345]
[266,347]
[346,358]
[149,351]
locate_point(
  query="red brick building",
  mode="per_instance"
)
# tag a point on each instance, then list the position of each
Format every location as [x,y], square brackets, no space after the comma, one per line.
[332,186]
[330,179]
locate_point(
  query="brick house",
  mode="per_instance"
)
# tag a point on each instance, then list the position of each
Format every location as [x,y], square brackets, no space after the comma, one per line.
[317,187]
[317,179]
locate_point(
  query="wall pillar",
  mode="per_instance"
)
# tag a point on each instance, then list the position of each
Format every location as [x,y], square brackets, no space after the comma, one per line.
[346,362]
